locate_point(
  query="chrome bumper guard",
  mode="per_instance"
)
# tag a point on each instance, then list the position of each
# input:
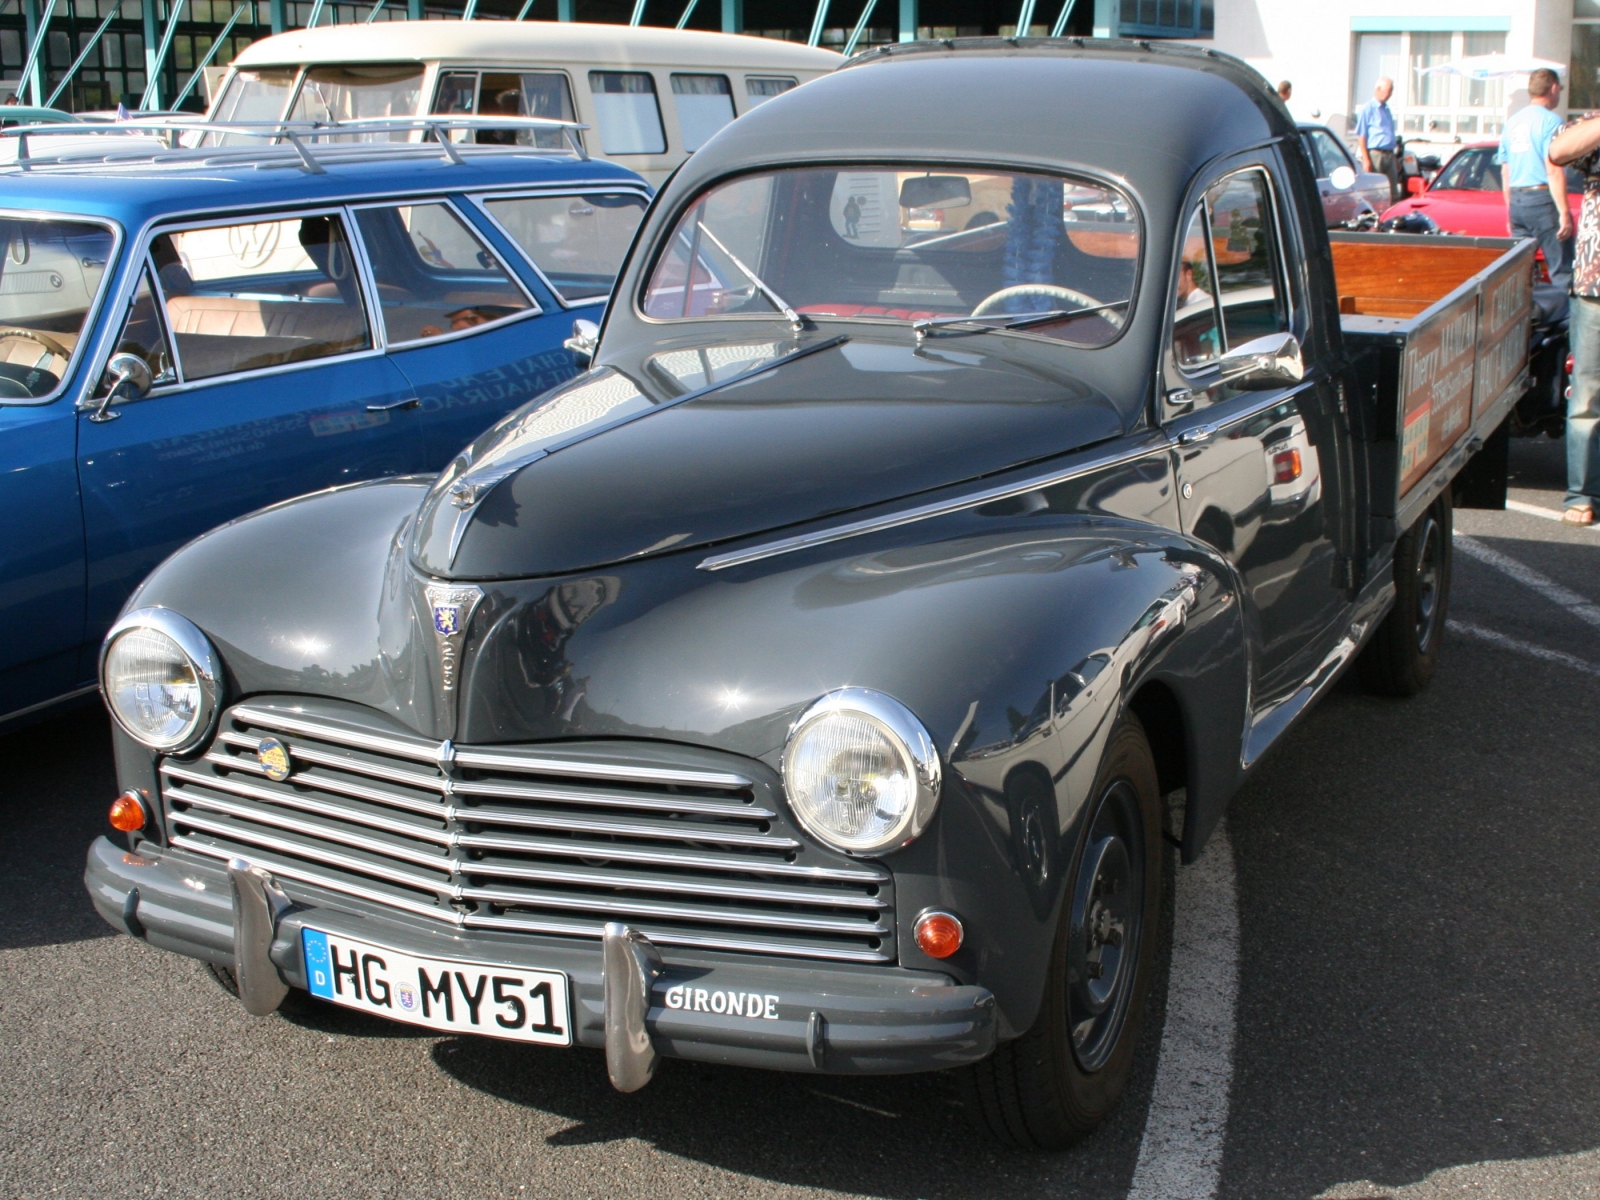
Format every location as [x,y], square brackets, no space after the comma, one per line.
[258,902]
[631,967]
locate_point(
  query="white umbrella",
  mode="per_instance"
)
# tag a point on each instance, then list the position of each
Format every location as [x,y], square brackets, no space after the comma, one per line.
[1494,66]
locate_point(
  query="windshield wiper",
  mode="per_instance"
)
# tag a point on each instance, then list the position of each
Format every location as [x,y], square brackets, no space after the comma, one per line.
[1019,321]
[796,321]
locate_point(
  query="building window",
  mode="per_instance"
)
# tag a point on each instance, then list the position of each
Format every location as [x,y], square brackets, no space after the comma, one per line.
[1166,18]
[1429,105]
[1584,87]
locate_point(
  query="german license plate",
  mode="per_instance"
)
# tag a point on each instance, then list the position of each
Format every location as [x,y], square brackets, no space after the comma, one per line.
[440,993]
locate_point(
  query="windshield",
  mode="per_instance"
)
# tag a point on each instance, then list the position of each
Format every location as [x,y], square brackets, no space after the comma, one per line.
[50,273]
[1470,171]
[350,93]
[897,243]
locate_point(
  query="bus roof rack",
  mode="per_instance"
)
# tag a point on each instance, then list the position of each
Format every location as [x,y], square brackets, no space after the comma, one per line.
[308,145]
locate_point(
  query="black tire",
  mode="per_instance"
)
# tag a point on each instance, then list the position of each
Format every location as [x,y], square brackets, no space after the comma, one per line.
[1401,657]
[1050,1088]
[296,1002]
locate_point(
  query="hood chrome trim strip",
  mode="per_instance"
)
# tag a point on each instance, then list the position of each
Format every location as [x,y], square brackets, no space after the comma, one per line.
[1157,444]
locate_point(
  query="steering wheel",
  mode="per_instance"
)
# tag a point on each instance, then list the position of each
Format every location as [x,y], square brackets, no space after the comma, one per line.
[995,301]
[49,343]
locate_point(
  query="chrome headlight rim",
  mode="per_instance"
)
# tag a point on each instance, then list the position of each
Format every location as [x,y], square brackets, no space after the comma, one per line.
[910,738]
[203,659]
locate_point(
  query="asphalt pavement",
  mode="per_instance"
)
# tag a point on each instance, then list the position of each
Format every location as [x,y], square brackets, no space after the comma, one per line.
[1417,981]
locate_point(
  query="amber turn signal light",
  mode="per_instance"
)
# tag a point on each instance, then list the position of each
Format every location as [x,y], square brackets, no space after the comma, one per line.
[127,812]
[939,934]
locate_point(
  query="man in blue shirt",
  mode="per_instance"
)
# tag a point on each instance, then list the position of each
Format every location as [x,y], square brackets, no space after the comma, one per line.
[1375,136]
[1535,188]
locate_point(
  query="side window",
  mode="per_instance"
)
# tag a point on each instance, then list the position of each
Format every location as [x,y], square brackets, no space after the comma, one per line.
[1330,154]
[1196,336]
[759,89]
[144,334]
[245,297]
[434,275]
[1244,247]
[529,94]
[705,105]
[1230,278]
[630,116]
[577,242]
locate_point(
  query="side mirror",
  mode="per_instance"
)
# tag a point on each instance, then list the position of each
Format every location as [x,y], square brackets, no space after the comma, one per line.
[1263,363]
[1416,185]
[1342,178]
[584,341]
[127,377]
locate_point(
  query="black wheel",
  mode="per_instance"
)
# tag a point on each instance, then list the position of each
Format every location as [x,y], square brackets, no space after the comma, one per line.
[1052,1086]
[296,1002]
[1401,657]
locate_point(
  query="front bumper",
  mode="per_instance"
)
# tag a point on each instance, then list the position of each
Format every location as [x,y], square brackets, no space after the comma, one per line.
[836,1019]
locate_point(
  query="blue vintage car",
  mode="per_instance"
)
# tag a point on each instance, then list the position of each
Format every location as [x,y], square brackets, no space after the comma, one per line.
[187,335]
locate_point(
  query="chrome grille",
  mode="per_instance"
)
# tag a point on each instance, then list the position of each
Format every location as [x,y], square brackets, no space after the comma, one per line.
[552,839]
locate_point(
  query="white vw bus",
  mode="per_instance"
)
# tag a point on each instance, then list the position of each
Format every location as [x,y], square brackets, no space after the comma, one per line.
[649,96]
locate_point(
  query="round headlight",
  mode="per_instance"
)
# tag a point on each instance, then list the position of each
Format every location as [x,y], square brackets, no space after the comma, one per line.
[159,676]
[861,773]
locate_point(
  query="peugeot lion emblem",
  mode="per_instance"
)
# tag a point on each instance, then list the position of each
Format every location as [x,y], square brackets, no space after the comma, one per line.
[273,756]
[450,606]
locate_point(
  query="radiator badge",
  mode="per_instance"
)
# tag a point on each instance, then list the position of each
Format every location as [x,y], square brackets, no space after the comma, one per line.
[451,606]
[273,756]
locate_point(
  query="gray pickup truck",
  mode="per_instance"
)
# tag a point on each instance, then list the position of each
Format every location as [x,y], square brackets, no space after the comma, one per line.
[954,511]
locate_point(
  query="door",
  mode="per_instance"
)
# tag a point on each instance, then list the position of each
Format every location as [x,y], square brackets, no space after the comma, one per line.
[268,384]
[51,271]
[467,335]
[1256,469]
[41,555]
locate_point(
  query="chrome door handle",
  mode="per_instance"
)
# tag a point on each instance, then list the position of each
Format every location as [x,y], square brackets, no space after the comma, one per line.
[1198,435]
[393,405]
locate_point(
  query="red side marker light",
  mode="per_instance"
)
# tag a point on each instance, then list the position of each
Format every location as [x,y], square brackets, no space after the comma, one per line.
[1286,466]
[127,812]
[939,934]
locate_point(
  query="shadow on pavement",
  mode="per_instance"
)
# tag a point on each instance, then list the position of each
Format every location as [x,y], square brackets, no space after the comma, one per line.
[907,1136]
[56,783]
[1420,901]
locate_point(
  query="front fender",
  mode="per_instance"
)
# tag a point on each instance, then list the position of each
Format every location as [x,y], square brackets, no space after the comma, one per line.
[1016,642]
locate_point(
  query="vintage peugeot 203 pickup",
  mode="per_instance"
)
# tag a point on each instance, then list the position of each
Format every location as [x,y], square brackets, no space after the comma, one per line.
[953,510]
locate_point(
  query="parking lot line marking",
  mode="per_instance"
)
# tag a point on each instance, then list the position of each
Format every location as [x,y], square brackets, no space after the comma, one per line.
[1549,514]
[1180,1155]
[1520,647]
[1568,599]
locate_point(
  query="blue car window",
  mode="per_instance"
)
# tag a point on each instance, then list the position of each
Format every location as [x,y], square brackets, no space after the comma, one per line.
[434,275]
[577,242]
[50,273]
[143,334]
[244,297]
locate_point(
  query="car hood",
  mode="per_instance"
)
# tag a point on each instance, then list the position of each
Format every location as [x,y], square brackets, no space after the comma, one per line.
[702,443]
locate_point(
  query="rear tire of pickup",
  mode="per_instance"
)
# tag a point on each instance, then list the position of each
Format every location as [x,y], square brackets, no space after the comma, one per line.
[1401,657]
[1053,1085]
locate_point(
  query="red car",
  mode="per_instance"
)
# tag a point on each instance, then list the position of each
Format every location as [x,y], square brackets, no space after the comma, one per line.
[1466,196]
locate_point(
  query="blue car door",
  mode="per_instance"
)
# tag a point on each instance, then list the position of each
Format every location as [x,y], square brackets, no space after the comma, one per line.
[51,270]
[472,325]
[268,384]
